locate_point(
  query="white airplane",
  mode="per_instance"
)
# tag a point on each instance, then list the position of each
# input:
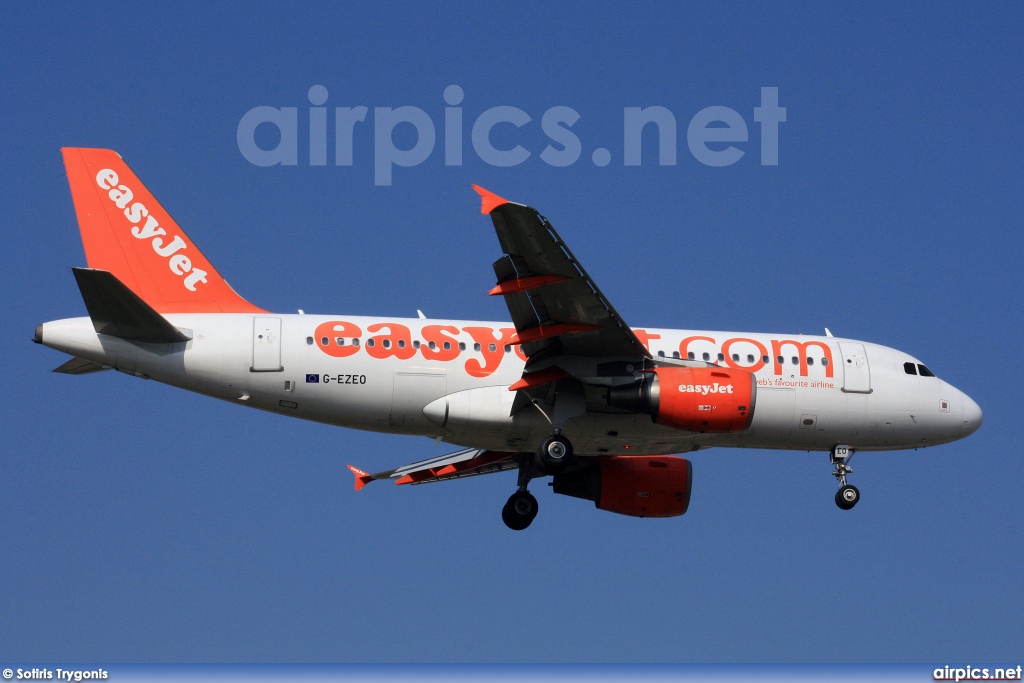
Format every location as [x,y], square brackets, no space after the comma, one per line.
[567,389]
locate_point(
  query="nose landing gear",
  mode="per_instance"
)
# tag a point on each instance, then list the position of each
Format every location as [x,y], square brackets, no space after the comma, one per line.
[848,494]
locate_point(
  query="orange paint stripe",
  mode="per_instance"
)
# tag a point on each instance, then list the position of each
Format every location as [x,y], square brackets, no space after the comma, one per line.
[536,379]
[521,284]
[416,476]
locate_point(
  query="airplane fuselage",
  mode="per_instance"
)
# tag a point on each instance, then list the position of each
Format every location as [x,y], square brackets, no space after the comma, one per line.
[451,378]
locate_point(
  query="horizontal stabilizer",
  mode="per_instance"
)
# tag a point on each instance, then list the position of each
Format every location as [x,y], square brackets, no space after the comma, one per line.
[80,366]
[119,312]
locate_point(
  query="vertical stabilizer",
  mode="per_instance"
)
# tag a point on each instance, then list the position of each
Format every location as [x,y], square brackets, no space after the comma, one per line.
[128,233]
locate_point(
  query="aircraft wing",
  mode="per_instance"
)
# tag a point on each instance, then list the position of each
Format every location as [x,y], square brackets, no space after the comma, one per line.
[466,463]
[556,307]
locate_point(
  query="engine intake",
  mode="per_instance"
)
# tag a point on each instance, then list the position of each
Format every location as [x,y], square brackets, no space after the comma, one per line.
[712,400]
[634,485]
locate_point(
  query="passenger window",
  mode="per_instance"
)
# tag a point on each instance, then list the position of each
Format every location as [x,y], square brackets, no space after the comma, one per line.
[796,361]
[447,346]
[764,359]
[340,341]
[476,347]
[416,344]
[780,360]
[370,342]
[690,355]
[324,341]
[675,354]
[355,342]
[736,357]
[387,343]
[309,340]
[462,346]
[401,343]
[910,368]
[810,361]
[750,358]
[824,361]
[705,356]
[432,346]
[508,348]
[925,372]
[661,354]
[492,348]
[721,356]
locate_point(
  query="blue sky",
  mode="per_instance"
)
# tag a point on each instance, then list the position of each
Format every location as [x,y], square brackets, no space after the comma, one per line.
[143,523]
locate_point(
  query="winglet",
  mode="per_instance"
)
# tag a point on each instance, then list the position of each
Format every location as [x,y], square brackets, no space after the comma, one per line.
[362,478]
[489,200]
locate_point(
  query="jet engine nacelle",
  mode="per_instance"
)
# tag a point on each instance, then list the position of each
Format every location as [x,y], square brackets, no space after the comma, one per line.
[634,485]
[714,400]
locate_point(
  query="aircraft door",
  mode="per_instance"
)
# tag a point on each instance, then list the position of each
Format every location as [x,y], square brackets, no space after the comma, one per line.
[856,371]
[413,391]
[266,345]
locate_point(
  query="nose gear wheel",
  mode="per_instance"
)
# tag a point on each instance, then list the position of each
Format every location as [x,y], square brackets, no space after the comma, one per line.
[848,495]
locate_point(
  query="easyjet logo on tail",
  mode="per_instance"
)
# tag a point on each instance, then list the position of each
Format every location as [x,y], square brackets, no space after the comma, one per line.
[179,263]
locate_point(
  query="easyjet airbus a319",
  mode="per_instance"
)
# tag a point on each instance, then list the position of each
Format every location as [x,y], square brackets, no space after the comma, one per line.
[566,390]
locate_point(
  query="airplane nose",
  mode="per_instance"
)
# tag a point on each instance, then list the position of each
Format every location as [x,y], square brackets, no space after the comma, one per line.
[972,416]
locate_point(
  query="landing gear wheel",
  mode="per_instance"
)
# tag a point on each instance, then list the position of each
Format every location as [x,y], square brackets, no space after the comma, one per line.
[847,496]
[555,454]
[519,511]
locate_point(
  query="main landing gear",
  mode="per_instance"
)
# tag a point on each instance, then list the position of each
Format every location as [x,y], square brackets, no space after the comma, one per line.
[519,511]
[521,507]
[552,457]
[847,495]
[555,453]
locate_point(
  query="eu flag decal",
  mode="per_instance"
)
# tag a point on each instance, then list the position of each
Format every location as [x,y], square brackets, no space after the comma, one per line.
[312,379]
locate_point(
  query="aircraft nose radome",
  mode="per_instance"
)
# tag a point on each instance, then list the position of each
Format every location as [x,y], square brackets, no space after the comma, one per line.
[972,416]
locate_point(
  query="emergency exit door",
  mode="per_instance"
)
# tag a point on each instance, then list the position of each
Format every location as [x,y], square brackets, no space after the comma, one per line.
[266,345]
[856,371]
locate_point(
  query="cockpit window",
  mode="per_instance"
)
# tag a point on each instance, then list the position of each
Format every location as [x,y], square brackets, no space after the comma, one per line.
[925,372]
[910,368]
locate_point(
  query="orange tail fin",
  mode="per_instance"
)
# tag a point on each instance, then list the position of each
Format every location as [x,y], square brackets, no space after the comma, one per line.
[127,232]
